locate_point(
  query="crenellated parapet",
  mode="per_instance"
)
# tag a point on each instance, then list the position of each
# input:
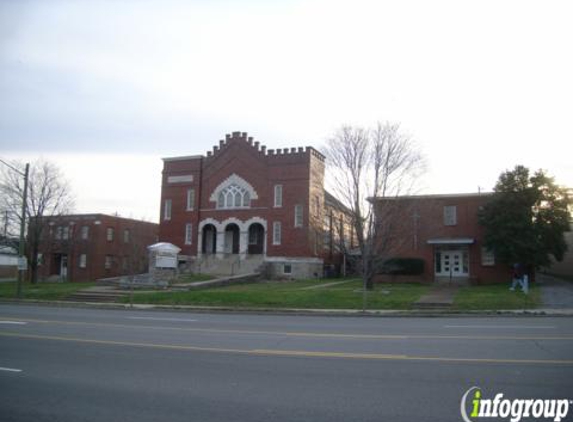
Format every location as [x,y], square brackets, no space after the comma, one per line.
[243,138]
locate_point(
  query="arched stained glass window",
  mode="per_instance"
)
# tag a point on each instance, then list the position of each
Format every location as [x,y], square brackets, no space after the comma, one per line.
[234,196]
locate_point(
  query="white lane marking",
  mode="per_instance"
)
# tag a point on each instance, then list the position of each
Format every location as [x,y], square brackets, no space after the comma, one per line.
[526,327]
[14,322]
[10,369]
[163,319]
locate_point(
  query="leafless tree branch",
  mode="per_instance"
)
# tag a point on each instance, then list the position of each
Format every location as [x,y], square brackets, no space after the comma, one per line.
[49,194]
[370,163]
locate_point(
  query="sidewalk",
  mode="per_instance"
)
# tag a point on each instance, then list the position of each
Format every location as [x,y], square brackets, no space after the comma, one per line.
[439,297]
[555,293]
[429,312]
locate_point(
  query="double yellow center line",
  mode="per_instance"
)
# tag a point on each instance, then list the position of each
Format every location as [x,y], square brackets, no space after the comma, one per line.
[301,333]
[292,353]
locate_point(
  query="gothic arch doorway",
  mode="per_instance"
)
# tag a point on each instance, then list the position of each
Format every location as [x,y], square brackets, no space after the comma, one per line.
[232,235]
[256,239]
[209,239]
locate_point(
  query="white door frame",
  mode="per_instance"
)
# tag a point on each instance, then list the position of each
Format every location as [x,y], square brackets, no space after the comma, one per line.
[64,265]
[451,263]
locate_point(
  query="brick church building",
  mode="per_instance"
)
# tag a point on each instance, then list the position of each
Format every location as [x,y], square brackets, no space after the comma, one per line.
[242,202]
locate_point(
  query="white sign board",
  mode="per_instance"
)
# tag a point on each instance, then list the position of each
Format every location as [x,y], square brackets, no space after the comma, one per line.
[180,179]
[22,263]
[165,261]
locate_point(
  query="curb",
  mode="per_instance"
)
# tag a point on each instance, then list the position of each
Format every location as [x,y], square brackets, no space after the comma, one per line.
[302,312]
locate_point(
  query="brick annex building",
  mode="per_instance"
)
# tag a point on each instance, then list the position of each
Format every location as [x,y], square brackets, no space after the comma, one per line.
[88,247]
[242,203]
[443,231]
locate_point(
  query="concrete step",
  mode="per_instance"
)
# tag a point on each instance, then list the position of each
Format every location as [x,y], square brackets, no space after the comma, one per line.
[436,306]
[96,296]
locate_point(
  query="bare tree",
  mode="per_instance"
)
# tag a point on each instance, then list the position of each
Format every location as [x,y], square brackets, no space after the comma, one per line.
[49,194]
[372,163]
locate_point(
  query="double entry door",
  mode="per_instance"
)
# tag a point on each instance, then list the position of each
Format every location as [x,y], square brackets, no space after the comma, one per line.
[451,263]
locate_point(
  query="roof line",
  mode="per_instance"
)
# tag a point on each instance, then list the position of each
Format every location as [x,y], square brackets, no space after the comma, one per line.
[436,196]
[182,158]
[95,214]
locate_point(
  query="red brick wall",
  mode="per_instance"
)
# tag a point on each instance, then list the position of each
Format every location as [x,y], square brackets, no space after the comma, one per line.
[410,238]
[173,231]
[96,247]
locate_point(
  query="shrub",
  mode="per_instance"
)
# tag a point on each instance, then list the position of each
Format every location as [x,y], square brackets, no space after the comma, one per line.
[403,266]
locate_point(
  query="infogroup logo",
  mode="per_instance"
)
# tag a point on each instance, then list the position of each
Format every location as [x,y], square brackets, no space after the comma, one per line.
[514,409]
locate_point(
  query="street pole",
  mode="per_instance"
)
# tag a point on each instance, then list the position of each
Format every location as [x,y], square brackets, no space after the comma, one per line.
[6,225]
[21,249]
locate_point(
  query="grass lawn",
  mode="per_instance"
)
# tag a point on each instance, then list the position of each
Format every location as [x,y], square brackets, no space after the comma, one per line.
[295,294]
[301,294]
[42,291]
[496,296]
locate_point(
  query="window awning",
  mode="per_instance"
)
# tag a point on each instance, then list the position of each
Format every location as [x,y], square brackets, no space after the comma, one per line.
[451,241]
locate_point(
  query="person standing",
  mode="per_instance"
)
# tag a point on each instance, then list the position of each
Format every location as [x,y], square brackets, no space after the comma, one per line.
[517,276]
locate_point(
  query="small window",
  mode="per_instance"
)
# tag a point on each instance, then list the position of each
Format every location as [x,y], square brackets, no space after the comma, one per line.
[85,232]
[109,234]
[450,215]
[278,196]
[287,269]
[487,257]
[188,234]
[327,222]
[126,236]
[83,260]
[108,261]
[190,199]
[328,231]
[277,235]
[438,260]
[167,210]
[66,233]
[40,259]
[298,216]
[59,232]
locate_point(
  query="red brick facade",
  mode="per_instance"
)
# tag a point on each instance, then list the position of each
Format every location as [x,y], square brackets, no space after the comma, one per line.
[246,200]
[443,230]
[89,247]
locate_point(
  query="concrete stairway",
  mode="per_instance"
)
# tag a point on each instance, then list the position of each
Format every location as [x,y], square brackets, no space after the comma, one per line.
[105,294]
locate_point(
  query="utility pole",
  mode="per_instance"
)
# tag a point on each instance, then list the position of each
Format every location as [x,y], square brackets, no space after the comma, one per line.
[6,225]
[21,249]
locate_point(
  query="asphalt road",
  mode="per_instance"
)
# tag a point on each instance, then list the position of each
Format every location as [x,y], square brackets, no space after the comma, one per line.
[71,364]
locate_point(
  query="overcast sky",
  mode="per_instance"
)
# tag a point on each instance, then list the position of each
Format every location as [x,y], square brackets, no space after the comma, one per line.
[107,88]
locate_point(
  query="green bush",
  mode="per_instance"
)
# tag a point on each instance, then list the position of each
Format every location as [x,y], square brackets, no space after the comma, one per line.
[403,266]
